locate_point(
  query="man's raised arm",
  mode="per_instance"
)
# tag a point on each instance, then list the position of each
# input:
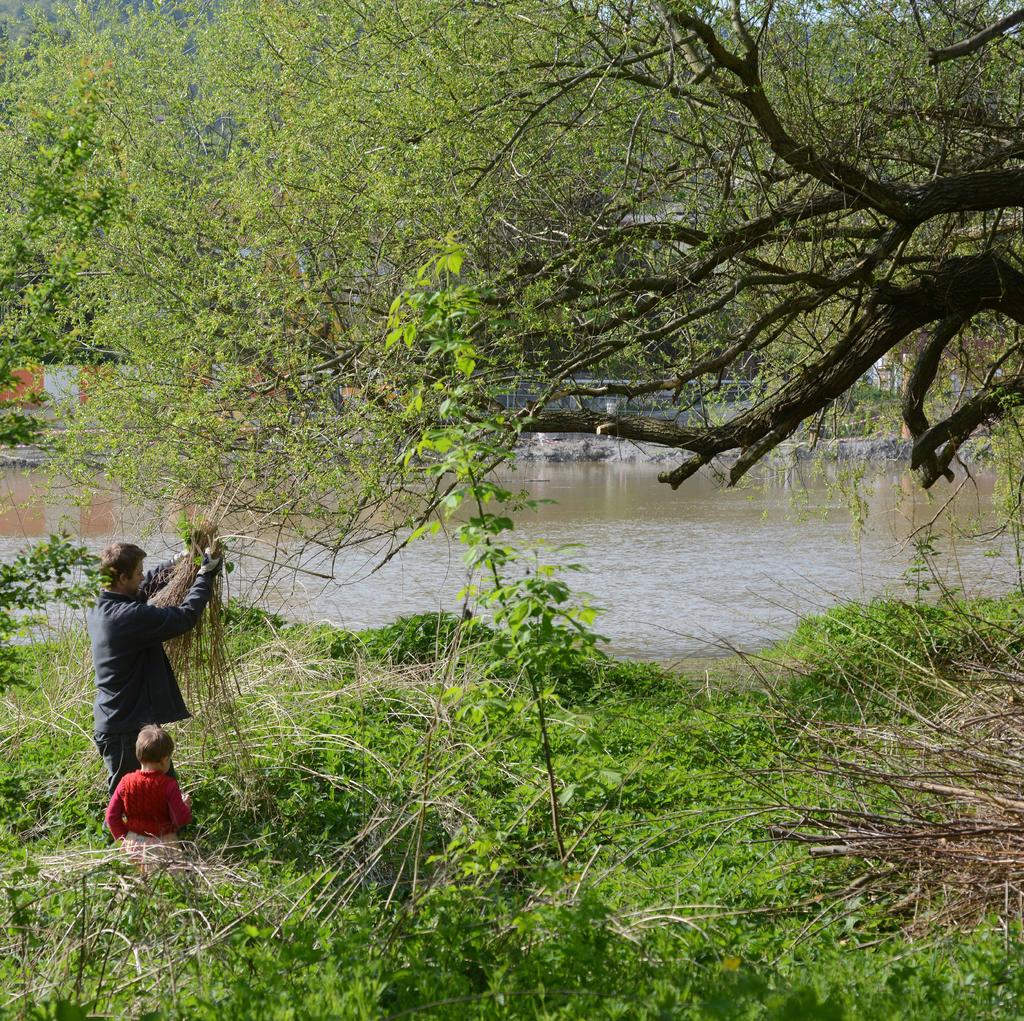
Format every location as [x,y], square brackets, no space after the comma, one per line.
[161,623]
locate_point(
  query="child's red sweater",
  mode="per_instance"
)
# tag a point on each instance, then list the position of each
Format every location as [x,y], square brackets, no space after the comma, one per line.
[149,803]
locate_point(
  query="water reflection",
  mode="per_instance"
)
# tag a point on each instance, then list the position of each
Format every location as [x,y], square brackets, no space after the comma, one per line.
[679,574]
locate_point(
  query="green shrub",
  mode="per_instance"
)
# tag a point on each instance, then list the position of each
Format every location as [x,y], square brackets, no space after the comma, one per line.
[890,648]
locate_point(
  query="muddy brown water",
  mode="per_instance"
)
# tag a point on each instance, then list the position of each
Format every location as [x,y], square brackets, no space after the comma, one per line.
[693,573]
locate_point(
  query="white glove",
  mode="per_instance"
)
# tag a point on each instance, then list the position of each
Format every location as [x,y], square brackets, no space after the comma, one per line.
[211,564]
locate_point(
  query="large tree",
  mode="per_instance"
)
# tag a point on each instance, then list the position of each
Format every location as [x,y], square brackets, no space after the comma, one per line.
[669,196]
[803,189]
[36,278]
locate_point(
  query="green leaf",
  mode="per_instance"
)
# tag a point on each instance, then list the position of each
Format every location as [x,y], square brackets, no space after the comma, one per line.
[452,262]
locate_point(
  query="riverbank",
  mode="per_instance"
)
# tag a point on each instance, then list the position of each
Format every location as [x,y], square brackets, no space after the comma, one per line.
[378,844]
[575,448]
[580,448]
[23,458]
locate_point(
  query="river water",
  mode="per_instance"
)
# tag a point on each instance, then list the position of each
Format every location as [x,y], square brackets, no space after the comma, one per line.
[696,572]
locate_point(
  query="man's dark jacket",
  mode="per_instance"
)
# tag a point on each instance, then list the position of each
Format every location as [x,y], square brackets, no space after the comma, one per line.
[135,685]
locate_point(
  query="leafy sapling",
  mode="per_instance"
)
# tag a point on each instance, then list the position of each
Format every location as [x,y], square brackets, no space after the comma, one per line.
[461,434]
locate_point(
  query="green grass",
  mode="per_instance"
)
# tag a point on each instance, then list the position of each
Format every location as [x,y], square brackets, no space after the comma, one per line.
[380,846]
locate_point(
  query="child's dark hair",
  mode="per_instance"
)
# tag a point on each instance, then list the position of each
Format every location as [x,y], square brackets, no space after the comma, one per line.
[153,744]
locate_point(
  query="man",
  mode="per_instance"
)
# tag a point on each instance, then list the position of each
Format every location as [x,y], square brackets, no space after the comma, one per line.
[135,685]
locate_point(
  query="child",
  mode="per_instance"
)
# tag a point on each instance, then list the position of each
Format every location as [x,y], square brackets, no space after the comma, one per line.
[147,807]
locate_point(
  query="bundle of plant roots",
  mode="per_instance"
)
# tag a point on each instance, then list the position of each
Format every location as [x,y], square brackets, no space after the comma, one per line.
[931,803]
[199,656]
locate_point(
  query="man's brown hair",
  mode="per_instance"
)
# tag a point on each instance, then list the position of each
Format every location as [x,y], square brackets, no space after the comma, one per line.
[153,744]
[120,558]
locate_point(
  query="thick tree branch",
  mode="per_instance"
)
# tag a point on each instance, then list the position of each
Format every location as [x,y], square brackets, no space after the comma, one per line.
[921,378]
[977,41]
[991,403]
[977,191]
[626,427]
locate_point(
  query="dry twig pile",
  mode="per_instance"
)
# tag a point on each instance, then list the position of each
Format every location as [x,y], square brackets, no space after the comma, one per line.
[199,657]
[932,803]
